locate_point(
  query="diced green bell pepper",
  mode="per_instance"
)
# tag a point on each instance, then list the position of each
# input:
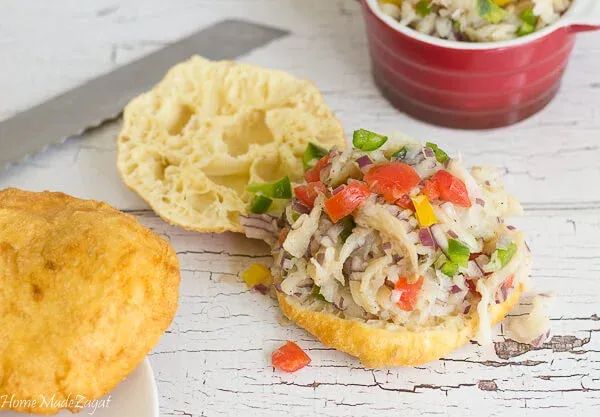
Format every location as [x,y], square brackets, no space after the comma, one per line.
[260,204]
[528,17]
[312,154]
[458,252]
[423,8]
[440,155]
[449,269]
[278,189]
[366,140]
[316,292]
[490,11]
[400,153]
[349,225]
[505,255]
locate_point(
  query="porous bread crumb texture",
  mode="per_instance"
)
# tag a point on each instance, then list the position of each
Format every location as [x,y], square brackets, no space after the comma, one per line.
[85,293]
[191,145]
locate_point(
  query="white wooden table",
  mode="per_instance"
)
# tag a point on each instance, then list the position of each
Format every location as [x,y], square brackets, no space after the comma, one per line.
[214,360]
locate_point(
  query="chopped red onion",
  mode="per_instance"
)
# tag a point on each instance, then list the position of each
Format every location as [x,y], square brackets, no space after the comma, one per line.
[480,202]
[426,237]
[527,246]
[509,227]
[387,246]
[500,220]
[339,304]
[455,289]
[467,309]
[488,183]
[320,258]
[396,258]
[501,294]
[452,234]
[428,152]
[300,208]
[277,286]
[324,174]
[364,161]
[261,288]
[338,189]
[474,269]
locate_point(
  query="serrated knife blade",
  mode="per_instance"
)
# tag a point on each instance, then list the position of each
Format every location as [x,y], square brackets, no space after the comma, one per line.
[103,98]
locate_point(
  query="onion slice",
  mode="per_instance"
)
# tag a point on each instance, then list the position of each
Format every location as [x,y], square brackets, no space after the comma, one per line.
[426,237]
[338,189]
[301,208]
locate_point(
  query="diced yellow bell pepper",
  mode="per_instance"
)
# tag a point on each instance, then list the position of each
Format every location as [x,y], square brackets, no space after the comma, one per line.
[424,211]
[502,2]
[394,2]
[257,274]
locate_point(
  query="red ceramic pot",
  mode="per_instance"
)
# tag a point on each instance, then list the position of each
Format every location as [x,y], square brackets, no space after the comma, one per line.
[472,85]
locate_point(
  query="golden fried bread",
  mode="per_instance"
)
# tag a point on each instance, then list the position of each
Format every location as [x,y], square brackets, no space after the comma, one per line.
[85,293]
[378,347]
[191,145]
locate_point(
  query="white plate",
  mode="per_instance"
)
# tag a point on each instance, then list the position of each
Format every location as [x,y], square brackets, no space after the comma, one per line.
[136,396]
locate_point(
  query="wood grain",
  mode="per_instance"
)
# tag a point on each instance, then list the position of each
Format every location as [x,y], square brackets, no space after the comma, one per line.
[214,360]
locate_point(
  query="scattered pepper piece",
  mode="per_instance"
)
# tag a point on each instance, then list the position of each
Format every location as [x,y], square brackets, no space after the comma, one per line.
[424,211]
[367,141]
[257,274]
[289,358]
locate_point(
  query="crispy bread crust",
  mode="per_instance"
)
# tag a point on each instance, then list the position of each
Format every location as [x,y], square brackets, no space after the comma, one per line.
[378,348]
[85,293]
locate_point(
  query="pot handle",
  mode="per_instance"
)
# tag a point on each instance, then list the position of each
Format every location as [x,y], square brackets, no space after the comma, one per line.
[584,16]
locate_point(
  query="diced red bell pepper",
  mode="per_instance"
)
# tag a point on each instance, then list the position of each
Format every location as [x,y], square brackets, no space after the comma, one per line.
[314,174]
[392,180]
[308,193]
[289,358]
[347,200]
[451,188]
[410,293]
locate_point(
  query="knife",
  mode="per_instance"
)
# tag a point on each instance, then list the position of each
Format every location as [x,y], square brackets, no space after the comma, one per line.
[103,98]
